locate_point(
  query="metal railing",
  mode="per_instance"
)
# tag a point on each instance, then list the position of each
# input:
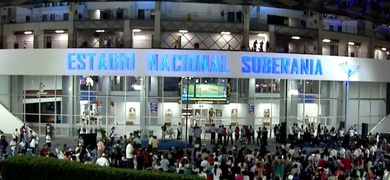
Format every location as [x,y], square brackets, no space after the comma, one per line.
[54,44]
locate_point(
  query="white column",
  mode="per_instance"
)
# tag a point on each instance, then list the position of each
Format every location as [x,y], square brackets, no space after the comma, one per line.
[246,24]
[128,34]
[157,25]
[72,16]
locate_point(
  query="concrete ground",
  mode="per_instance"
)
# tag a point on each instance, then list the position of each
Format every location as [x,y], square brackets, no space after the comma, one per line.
[58,142]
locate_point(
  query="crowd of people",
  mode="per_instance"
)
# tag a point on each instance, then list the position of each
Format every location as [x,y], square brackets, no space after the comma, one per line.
[359,158]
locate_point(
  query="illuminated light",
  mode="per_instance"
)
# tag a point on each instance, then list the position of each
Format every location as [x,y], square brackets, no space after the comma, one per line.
[326,40]
[296,37]
[351,43]
[59,31]
[183,31]
[28,32]
[261,34]
[137,87]
[137,30]
[384,49]
[225,33]
[100,31]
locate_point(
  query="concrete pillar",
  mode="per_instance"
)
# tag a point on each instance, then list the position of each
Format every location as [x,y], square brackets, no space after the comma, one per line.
[272,38]
[157,25]
[72,16]
[17,96]
[104,98]
[67,102]
[38,38]
[320,33]
[246,25]
[288,102]
[250,118]
[144,106]
[1,34]
[128,34]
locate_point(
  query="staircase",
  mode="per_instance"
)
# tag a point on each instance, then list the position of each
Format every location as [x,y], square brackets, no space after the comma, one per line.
[382,126]
[8,122]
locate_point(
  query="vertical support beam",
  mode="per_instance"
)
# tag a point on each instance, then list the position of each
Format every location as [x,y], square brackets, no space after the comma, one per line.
[250,118]
[128,34]
[157,25]
[272,38]
[38,37]
[246,25]
[320,33]
[72,17]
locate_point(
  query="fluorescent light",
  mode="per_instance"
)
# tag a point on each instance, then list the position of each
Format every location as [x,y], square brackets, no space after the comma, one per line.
[136,30]
[326,40]
[296,37]
[351,43]
[384,49]
[59,31]
[183,31]
[28,32]
[225,33]
[261,34]
[100,31]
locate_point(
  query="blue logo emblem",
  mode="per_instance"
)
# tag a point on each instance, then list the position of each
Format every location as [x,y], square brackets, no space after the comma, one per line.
[350,69]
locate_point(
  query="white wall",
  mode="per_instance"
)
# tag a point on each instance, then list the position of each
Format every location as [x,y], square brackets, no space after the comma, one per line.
[206,40]
[306,46]
[33,82]
[8,121]
[199,11]
[380,54]
[5,91]
[58,12]
[58,40]
[366,110]
[21,39]
[327,23]
[129,8]
[142,39]
[21,14]
[265,11]
[259,37]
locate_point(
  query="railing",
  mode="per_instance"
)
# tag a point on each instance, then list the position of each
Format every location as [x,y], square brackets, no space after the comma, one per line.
[348,29]
[36,18]
[54,44]
[380,123]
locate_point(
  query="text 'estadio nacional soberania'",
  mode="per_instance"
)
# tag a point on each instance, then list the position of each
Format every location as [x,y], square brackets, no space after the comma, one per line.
[194,63]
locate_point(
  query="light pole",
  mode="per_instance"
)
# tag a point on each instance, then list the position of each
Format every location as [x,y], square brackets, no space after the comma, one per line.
[350,70]
[187,114]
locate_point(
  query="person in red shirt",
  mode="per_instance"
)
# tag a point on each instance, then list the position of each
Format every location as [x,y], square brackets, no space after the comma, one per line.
[347,164]
[321,162]
[210,159]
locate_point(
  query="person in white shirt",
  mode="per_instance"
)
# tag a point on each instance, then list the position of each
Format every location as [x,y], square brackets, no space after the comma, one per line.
[333,153]
[12,144]
[103,161]
[205,164]
[342,152]
[32,145]
[164,164]
[15,134]
[190,135]
[217,172]
[130,156]
[48,141]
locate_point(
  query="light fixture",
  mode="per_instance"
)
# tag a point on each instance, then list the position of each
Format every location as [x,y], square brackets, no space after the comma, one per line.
[59,31]
[326,40]
[28,32]
[100,31]
[183,31]
[225,33]
[296,37]
[384,49]
[261,34]
[136,30]
[351,43]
